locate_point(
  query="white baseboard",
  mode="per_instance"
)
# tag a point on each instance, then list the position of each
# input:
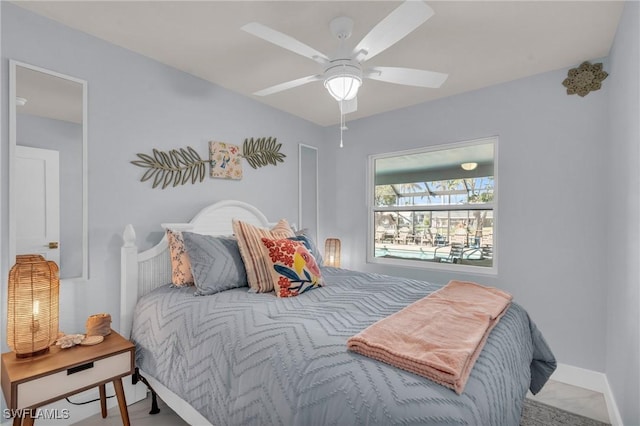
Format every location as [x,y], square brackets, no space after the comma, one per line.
[69,414]
[592,380]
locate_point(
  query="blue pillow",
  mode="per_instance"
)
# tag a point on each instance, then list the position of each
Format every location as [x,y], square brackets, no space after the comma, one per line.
[216,263]
[308,242]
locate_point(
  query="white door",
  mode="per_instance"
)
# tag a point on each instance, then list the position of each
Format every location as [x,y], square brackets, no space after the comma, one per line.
[37,202]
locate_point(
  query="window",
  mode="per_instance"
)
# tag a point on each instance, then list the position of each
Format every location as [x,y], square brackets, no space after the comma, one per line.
[434,207]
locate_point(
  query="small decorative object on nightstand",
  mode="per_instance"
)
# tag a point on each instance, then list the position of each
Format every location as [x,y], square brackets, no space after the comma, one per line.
[29,383]
[32,311]
[98,325]
[332,252]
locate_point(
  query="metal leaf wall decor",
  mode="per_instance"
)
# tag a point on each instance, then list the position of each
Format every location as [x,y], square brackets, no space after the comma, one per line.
[179,166]
[175,167]
[262,151]
[584,79]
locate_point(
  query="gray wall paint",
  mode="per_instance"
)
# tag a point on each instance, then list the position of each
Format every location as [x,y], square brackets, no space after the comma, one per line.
[66,138]
[550,227]
[136,104]
[553,261]
[623,279]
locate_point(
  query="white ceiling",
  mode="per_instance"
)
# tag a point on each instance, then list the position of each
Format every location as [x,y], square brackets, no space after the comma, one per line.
[478,43]
[48,96]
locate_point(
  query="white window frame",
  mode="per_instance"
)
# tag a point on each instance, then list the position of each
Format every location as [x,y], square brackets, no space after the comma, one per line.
[410,263]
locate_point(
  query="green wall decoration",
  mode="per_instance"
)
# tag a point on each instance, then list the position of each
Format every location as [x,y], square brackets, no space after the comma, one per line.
[175,167]
[584,79]
[262,151]
[179,166]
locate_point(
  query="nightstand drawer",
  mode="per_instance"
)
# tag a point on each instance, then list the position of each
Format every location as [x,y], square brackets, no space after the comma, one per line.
[69,381]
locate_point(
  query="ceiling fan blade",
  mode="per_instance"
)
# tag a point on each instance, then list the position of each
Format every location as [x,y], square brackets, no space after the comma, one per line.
[398,24]
[349,106]
[407,76]
[287,85]
[285,41]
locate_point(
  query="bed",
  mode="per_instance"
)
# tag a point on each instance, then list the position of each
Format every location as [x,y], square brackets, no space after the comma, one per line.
[237,357]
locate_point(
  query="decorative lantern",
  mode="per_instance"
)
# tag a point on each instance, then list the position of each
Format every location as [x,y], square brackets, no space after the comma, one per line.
[21,258]
[32,312]
[332,252]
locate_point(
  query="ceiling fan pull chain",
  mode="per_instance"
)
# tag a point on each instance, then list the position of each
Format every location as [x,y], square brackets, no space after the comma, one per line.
[341,122]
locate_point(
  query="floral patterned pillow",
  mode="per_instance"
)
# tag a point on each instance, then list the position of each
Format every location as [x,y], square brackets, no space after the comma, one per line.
[293,268]
[181,275]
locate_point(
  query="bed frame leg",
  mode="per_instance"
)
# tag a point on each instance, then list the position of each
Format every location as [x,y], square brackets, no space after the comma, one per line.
[154,397]
[154,403]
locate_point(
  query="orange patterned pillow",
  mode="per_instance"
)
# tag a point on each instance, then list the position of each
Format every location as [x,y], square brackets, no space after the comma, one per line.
[180,264]
[293,268]
[250,244]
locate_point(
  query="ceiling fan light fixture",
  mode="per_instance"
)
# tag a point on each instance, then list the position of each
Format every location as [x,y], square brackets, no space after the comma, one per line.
[469,166]
[343,88]
[343,81]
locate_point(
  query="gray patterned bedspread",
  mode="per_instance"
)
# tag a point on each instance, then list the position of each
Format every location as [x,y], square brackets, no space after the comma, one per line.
[241,358]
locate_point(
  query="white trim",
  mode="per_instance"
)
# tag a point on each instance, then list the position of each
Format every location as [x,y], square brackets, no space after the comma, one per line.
[408,263]
[592,380]
[85,180]
[300,171]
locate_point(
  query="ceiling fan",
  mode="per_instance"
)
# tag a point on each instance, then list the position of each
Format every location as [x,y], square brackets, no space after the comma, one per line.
[343,71]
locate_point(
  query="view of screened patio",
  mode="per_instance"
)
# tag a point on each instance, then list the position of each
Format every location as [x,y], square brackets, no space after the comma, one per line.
[439,221]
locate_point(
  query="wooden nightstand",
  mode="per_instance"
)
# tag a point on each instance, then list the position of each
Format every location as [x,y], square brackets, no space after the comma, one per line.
[29,383]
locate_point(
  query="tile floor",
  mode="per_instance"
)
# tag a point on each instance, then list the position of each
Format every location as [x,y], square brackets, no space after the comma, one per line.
[574,399]
[577,400]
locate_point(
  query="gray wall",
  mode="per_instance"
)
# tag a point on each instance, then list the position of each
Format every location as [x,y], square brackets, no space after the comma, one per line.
[551,229]
[136,104]
[623,278]
[569,212]
[558,159]
[66,138]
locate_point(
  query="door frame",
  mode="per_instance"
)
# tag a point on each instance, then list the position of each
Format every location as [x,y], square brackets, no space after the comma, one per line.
[315,197]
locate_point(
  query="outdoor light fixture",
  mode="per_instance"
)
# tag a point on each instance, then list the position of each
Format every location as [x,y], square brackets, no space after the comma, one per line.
[469,166]
[332,252]
[32,311]
[343,81]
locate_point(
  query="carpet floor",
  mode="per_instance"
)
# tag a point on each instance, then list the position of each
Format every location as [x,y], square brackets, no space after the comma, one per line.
[535,413]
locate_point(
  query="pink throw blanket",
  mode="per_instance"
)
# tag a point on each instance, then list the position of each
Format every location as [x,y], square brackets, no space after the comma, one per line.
[438,337]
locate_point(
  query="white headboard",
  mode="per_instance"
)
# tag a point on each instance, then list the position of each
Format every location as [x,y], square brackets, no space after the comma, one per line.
[141,272]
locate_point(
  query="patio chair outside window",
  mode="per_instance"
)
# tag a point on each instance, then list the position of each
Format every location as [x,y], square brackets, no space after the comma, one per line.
[402,236]
[455,253]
